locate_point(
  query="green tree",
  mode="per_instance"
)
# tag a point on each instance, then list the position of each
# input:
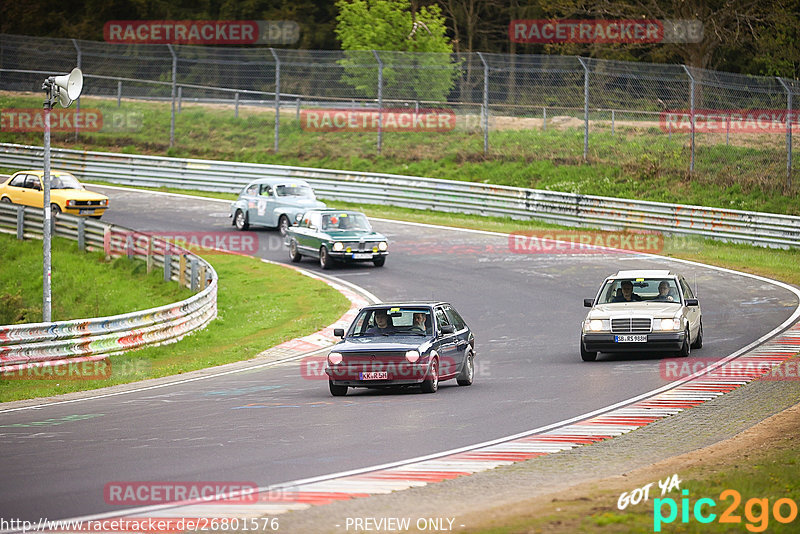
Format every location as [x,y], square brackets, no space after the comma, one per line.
[417,54]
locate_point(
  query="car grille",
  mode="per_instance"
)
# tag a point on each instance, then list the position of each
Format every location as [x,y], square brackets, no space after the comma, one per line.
[628,325]
[357,246]
[368,358]
[87,203]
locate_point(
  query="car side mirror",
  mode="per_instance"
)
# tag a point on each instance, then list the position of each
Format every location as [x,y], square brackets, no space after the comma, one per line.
[588,303]
[448,329]
[692,302]
[338,332]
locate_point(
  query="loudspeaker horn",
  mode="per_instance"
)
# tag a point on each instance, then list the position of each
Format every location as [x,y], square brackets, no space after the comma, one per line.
[69,86]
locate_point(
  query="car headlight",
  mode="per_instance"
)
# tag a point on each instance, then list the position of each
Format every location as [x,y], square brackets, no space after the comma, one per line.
[335,358]
[298,217]
[382,246]
[338,246]
[104,202]
[670,324]
[70,203]
[595,325]
[412,356]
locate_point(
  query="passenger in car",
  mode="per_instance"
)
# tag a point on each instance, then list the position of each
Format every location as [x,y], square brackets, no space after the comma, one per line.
[627,294]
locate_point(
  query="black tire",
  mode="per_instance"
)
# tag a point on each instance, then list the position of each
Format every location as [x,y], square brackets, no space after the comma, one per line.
[379,261]
[337,391]
[698,343]
[5,200]
[294,255]
[240,220]
[467,374]
[283,224]
[431,384]
[55,210]
[586,355]
[325,260]
[686,349]
[95,216]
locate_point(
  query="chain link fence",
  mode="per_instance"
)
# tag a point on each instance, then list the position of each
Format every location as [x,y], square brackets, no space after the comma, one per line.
[667,119]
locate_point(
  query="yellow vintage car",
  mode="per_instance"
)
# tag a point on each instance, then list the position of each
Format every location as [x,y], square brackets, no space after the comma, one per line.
[67,194]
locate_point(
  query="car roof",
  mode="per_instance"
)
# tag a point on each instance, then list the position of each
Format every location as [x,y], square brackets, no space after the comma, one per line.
[278,181]
[40,172]
[644,273]
[409,304]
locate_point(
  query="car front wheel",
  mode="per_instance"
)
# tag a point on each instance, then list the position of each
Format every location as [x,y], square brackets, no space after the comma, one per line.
[240,220]
[336,390]
[325,260]
[5,200]
[467,374]
[431,384]
[686,348]
[379,261]
[55,210]
[283,224]
[698,342]
[586,355]
[294,255]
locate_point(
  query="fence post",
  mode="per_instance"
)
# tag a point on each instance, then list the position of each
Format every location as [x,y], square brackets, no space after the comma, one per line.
[180,98]
[174,95]
[691,113]
[788,133]
[277,97]
[585,109]
[182,270]
[193,275]
[20,222]
[612,123]
[82,234]
[236,105]
[380,100]
[544,118]
[297,114]
[119,93]
[149,259]
[78,100]
[167,263]
[485,107]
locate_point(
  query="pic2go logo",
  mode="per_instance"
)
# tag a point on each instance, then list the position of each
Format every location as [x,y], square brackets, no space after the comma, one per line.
[756,511]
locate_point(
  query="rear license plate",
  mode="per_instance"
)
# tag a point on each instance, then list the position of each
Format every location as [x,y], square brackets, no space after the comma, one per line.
[362,255]
[375,375]
[630,339]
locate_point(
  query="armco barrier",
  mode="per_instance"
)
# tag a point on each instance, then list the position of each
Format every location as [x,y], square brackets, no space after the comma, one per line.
[759,228]
[27,345]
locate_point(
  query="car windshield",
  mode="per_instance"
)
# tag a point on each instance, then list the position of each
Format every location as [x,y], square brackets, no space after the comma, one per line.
[294,190]
[346,221]
[639,290]
[64,181]
[395,321]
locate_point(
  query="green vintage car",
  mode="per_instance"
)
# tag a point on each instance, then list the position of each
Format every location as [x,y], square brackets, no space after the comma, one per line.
[336,236]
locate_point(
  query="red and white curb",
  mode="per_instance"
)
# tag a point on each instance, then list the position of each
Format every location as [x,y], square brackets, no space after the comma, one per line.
[713,381]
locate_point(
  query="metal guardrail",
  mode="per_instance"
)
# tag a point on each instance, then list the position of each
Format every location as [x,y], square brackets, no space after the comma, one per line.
[765,229]
[40,344]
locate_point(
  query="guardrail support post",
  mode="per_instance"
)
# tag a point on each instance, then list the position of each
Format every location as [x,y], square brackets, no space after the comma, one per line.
[193,274]
[585,109]
[167,264]
[20,222]
[788,134]
[174,95]
[485,106]
[149,259]
[380,100]
[182,270]
[82,234]
[691,113]
[277,97]
[201,277]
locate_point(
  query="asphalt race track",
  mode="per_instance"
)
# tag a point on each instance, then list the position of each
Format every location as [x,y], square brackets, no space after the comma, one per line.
[272,425]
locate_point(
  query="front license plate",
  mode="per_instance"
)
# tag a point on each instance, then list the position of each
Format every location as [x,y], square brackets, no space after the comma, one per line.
[362,255]
[86,212]
[630,339]
[375,375]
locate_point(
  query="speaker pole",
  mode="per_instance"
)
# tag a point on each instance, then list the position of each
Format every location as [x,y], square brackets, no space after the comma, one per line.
[47,224]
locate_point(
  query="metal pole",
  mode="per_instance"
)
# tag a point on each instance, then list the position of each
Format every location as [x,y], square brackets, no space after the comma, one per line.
[297,113]
[728,130]
[180,98]
[380,100]
[612,123]
[174,95]
[485,110]
[277,97]
[788,134]
[585,109]
[78,100]
[544,118]
[119,93]
[48,214]
[691,114]
[236,105]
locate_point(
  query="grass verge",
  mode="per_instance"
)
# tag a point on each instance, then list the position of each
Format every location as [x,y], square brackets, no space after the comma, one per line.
[259,306]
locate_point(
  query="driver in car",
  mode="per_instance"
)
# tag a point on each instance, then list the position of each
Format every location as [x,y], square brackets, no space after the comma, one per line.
[664,292]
